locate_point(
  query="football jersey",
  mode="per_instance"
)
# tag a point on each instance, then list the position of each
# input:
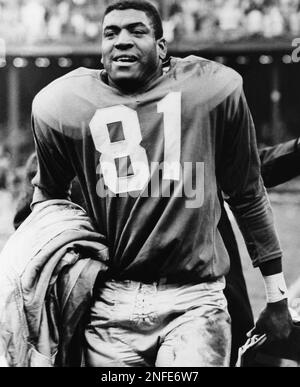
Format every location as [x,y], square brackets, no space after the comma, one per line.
[152,164]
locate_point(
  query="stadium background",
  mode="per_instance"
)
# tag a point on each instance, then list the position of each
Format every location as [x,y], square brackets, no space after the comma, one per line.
[41,40]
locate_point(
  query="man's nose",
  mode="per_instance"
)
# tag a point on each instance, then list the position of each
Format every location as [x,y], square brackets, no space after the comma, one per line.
[124,40]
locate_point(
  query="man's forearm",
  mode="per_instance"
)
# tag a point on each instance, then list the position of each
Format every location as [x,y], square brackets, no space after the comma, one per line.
[271,267]
[255,219]
[280,163]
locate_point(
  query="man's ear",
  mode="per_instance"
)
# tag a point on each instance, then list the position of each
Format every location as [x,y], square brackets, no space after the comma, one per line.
[163,48]
[101,59]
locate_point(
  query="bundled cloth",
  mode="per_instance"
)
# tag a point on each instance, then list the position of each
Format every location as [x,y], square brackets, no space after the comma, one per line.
[48,270]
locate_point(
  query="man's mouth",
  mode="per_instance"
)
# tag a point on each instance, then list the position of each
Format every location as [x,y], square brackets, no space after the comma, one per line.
[127,59]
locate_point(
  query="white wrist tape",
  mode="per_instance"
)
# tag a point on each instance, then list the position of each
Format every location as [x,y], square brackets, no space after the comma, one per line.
[276,289]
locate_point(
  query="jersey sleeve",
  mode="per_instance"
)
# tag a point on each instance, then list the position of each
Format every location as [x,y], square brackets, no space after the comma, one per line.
[54,169]
[239,174]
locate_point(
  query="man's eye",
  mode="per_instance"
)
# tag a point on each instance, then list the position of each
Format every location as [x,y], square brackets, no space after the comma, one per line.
[138,32]
[109,34]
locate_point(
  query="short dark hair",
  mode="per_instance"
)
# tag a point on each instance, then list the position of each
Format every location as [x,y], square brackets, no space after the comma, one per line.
[140,5]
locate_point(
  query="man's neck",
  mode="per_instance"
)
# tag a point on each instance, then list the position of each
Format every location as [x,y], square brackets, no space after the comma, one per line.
[133,87]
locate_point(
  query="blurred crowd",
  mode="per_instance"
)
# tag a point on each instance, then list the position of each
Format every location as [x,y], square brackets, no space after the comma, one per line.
[226,20]
[78,21]
[34,21]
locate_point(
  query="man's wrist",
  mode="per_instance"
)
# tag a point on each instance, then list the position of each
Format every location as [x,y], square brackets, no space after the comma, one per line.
[276,289]
[271,267]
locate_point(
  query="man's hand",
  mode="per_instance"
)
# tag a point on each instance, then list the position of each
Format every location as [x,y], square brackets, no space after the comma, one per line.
[275,321]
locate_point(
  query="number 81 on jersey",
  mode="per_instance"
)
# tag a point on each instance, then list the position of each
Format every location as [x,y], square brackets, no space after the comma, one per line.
[131,147]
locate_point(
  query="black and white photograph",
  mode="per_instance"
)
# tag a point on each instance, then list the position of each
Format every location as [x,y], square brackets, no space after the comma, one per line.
[149,186]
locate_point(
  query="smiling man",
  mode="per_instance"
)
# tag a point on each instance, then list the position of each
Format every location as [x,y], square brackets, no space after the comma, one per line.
[146,125]
[131,66]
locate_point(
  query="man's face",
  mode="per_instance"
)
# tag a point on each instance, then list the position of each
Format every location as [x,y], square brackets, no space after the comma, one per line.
[131,55]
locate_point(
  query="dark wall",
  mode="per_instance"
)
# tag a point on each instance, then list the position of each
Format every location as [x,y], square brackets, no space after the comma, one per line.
[290,86]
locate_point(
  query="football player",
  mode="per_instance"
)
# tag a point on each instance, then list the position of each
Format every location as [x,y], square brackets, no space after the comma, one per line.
[279,164]
[153,143]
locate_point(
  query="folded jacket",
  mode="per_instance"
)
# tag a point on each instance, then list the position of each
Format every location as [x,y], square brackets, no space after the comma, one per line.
[58,237]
